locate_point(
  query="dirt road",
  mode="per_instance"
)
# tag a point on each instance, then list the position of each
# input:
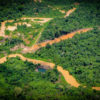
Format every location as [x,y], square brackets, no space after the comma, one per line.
[12,28]
[69,12]
[56,40]
[42,20]
[69,78]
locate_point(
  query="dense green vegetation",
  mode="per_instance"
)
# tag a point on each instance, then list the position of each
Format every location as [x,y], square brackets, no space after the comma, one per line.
[14,9]
[19,80]
[86,15]
[80,55]
[25,29]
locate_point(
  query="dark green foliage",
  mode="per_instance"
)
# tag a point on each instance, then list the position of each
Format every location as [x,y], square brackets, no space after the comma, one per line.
[79,55]
[86,15]
[13,41]
[15,9]
[1,38]
[19,80]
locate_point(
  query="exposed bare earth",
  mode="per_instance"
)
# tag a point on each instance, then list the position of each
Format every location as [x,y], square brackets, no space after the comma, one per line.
[12,28]
[69,12]
[69,78]
[42,20]
[96,88]
[62,11]
[3,27]
[56,40]
[2,60]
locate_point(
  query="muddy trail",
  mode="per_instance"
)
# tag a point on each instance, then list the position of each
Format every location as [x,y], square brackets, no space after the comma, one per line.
[56,40]
[69,78]
[69,12]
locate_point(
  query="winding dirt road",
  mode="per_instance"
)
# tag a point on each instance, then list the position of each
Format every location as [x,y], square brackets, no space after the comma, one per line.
[69,78]
[42,20]
[56,40]
[69,12]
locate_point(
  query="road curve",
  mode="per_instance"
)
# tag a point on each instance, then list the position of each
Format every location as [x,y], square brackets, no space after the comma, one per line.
[69,78]
[56,40]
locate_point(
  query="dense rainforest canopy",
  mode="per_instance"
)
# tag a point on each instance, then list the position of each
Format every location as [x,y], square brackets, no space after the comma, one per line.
[19,80]
[24,24]
[80,55]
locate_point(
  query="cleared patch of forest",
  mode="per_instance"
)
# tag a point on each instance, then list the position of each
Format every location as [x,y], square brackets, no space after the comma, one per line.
[16,32]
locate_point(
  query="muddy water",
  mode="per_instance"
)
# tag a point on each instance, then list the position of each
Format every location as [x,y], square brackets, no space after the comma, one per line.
[42,70]
[69,78]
